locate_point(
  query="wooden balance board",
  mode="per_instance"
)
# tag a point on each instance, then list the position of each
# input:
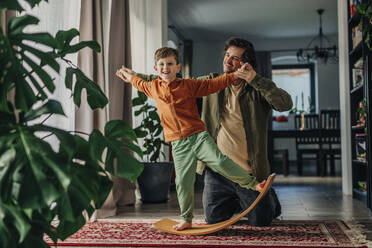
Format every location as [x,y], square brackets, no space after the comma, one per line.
[166,225]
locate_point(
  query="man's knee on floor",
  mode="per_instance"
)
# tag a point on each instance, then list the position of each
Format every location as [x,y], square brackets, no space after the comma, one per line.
[259,219]
[212,219]
[216,213]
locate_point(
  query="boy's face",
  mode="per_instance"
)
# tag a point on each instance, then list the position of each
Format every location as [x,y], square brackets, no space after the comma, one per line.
[167,68]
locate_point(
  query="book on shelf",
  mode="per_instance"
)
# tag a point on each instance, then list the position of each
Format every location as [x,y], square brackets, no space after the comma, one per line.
[360,136]
[356,35]
[352,8]
[361,148]
[359,64]
[352,4]
[362,186]
[362,159]
[358,77]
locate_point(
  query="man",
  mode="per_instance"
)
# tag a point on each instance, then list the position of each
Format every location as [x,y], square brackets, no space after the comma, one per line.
[237,118]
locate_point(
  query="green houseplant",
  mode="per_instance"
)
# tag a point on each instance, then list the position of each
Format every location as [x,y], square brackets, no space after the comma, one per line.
[38,184]
[365,10]
[154,182]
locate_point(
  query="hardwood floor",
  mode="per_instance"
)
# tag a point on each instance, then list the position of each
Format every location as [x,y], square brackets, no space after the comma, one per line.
[302,198]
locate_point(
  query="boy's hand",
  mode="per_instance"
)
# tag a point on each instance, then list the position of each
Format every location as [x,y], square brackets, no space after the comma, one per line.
[125,74]
[245,72]
[260,186]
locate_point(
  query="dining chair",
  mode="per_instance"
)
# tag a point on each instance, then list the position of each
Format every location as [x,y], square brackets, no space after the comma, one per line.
[308,141]
[330,138]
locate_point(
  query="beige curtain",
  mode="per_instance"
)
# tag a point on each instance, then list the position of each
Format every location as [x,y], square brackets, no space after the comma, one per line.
[119,93]
[91,63]
[5,16]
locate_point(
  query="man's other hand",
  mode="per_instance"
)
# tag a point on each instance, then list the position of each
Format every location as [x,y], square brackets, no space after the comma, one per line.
[245,72]
[260,186]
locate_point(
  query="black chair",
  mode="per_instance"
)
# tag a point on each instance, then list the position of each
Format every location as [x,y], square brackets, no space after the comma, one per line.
[330,138]
[308,141]
[284,159]
[281,152]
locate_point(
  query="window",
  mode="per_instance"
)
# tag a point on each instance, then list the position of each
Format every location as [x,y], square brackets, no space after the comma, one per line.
[298,81]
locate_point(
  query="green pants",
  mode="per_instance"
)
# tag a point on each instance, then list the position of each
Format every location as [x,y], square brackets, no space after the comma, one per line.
[202,147]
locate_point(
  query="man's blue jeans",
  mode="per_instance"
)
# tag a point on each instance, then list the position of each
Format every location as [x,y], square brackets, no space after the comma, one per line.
[223,198]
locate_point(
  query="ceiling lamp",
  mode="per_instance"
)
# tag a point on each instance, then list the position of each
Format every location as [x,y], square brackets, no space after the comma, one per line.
[319,47]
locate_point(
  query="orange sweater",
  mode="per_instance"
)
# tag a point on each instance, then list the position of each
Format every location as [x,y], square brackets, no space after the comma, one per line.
[176,102]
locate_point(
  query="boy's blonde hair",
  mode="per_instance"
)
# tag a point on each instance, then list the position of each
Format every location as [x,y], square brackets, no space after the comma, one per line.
[166,52]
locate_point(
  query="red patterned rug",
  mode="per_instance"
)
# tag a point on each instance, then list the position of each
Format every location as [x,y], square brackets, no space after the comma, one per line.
[281,234]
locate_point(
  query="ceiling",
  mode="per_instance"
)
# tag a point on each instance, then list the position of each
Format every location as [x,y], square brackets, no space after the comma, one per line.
[208,20]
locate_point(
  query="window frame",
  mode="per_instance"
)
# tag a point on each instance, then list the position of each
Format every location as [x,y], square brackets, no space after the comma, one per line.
[309,66]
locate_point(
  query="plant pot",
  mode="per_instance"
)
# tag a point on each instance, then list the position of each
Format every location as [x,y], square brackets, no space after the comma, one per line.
[154,182]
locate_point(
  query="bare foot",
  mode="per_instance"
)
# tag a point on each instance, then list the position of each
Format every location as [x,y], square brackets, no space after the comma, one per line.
[182,226]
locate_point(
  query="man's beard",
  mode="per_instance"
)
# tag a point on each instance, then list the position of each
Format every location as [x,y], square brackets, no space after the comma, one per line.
[226,70]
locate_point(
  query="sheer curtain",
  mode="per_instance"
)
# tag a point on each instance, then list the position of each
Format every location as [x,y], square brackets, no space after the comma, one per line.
[54,16]
[89,17]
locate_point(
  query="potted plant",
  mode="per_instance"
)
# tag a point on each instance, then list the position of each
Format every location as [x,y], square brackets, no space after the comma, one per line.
[365,10]
[155,179]
[39,184]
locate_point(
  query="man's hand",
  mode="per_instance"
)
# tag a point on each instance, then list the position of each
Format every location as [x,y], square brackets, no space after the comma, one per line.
[125,74]
[245,72]
[260,186]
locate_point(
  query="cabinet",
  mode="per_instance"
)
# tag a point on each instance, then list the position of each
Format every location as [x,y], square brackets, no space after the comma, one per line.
[360,105]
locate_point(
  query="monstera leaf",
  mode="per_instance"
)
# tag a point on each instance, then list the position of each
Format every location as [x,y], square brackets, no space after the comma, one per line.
[14,5]
[40,182]
[17,56]
[95,97]
[115,140]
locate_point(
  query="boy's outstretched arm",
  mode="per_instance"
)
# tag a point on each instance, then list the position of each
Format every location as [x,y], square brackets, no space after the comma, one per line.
[129,76]
[125,74]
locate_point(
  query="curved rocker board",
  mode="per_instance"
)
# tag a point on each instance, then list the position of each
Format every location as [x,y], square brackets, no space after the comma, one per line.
[166,225]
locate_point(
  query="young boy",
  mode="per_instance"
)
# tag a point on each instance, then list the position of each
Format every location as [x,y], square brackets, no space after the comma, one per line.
[183,127]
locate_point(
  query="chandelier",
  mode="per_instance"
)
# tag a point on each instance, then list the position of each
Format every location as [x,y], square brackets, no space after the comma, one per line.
[319,47]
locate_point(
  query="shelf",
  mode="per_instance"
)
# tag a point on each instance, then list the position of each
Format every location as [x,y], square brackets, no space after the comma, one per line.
[354,20]
[360,138]
[357,89]
[356,128]
[356,161]
[360,68]
[360,195]
[356,53]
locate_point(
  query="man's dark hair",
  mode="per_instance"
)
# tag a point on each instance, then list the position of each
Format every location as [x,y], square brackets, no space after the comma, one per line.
[249,54]
[166,52]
